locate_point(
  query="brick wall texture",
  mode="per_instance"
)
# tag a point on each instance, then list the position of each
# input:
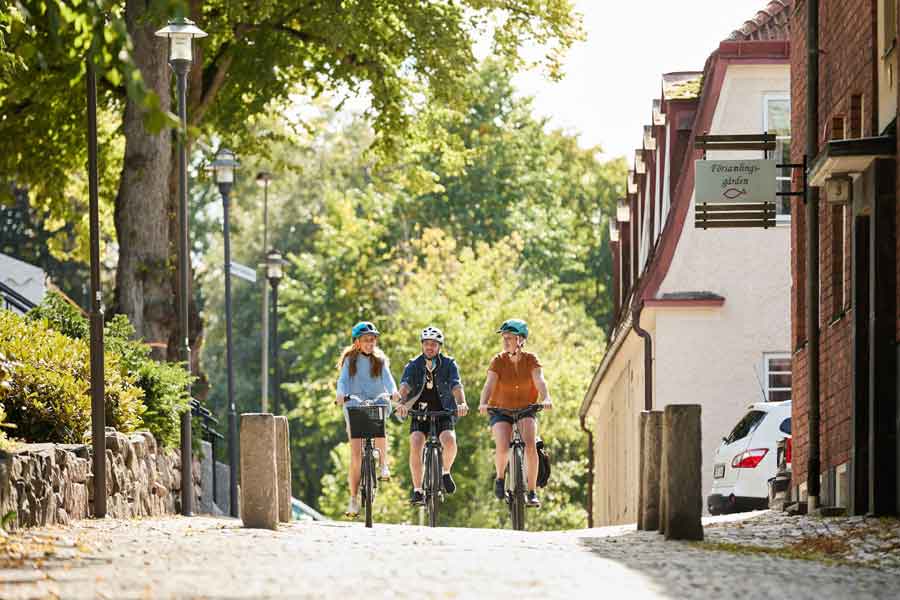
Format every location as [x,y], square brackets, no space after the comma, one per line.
[846,69]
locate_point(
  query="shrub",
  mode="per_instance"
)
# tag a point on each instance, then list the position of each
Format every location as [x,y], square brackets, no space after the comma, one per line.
[164,385]
[48,397]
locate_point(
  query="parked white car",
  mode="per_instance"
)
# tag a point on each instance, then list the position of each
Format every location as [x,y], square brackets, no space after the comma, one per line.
[748,458]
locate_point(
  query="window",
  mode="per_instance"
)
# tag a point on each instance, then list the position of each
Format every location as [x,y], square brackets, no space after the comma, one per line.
[838,258]
[778,377]
[890,25]
[746,426]
[777,120]
[785,426]
[856,116]
[837,128]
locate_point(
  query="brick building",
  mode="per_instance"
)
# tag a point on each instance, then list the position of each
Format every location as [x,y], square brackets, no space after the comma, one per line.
[854,170]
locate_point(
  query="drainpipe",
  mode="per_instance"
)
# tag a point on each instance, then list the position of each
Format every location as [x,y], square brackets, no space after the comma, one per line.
[812,253]
[648,355]
[590,478]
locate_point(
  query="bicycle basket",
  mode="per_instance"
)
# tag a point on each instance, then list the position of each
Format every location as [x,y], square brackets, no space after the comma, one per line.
[367,421]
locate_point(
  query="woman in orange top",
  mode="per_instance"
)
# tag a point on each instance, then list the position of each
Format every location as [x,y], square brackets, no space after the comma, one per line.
[515,381]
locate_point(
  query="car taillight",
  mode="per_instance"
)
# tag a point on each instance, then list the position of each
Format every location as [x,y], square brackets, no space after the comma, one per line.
[787,451]
[749,459]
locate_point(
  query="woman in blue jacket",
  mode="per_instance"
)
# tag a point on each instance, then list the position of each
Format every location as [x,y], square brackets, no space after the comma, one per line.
[365,374]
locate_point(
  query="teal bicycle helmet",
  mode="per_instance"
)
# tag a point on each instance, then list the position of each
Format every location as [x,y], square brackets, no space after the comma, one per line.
[516,326]
[362,328]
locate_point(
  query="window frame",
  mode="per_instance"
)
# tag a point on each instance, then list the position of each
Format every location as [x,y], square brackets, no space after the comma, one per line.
[785,173]
[767,387]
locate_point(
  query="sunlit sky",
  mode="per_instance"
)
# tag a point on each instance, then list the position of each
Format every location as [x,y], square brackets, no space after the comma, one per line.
[613,76]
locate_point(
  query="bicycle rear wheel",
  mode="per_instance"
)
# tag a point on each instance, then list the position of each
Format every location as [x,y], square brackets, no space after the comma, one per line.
[368,473]
[434,496]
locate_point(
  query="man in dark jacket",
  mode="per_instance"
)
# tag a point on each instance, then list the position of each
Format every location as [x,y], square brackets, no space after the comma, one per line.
[431,382]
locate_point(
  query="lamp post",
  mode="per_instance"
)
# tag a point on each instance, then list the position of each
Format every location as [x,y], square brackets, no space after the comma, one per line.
[262,179]
[181,32]
[223,168]
[274,274]
[98,403]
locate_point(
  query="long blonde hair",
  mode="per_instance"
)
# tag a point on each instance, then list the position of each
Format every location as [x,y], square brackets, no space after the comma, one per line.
[353,352]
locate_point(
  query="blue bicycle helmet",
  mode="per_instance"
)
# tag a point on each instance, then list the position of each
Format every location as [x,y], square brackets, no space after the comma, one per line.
[362,328]
[516,326]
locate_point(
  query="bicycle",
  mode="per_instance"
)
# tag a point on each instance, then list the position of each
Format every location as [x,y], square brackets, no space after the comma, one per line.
[433,460]
[515,479]
[367,419]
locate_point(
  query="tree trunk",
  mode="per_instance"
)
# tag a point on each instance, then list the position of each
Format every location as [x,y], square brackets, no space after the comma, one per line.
[146,269]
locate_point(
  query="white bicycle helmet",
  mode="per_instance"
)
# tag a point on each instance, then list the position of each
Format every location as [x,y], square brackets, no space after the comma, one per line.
[432,333]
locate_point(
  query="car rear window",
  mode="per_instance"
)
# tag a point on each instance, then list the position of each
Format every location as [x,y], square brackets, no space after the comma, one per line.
[746,426]
[785,426]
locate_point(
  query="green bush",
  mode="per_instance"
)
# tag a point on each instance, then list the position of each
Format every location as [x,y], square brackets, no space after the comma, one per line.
[164,385]
[48,397]
[5,388]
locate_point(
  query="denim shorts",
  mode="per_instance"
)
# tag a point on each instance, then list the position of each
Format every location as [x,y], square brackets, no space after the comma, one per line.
[500,418]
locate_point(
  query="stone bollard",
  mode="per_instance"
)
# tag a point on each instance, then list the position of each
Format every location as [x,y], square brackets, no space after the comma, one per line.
[663,477]
[283,460]
[259,481]
[641,467]
[682,457]
[651,481]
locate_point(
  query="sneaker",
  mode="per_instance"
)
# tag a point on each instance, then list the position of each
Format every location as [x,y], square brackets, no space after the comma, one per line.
[385,473]
[417,498]
[352,508]
[500,489]
[532,500]
[449,484]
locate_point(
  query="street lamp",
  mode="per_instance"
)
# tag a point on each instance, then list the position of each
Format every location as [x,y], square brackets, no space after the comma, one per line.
[274,274]
[181,33]
[98,402]
[223,168]
[262,179]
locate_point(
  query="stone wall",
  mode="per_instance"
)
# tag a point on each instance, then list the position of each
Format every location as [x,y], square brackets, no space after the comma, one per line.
[48,484]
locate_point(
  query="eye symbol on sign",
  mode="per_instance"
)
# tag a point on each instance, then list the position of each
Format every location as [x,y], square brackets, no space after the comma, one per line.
[732,193]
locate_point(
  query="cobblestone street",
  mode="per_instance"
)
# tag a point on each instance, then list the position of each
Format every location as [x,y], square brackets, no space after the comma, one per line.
[215,558]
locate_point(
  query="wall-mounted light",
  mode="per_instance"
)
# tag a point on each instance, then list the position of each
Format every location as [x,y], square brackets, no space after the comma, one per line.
[623,211]
[613,231]
[839,189]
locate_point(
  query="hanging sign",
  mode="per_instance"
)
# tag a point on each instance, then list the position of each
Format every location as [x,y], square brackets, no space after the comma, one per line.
[734,181]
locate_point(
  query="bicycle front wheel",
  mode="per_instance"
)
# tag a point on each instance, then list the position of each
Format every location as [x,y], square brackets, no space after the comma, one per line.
[434,497]
[368,469]
[517,501]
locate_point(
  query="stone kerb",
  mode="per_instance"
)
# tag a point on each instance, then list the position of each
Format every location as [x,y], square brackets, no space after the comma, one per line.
[259,473]
[48,484]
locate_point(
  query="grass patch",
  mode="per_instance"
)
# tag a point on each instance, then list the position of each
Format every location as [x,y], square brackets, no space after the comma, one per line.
[827,549]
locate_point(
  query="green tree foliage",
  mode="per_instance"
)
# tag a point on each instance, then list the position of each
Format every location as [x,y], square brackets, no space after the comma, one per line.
[518,177]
